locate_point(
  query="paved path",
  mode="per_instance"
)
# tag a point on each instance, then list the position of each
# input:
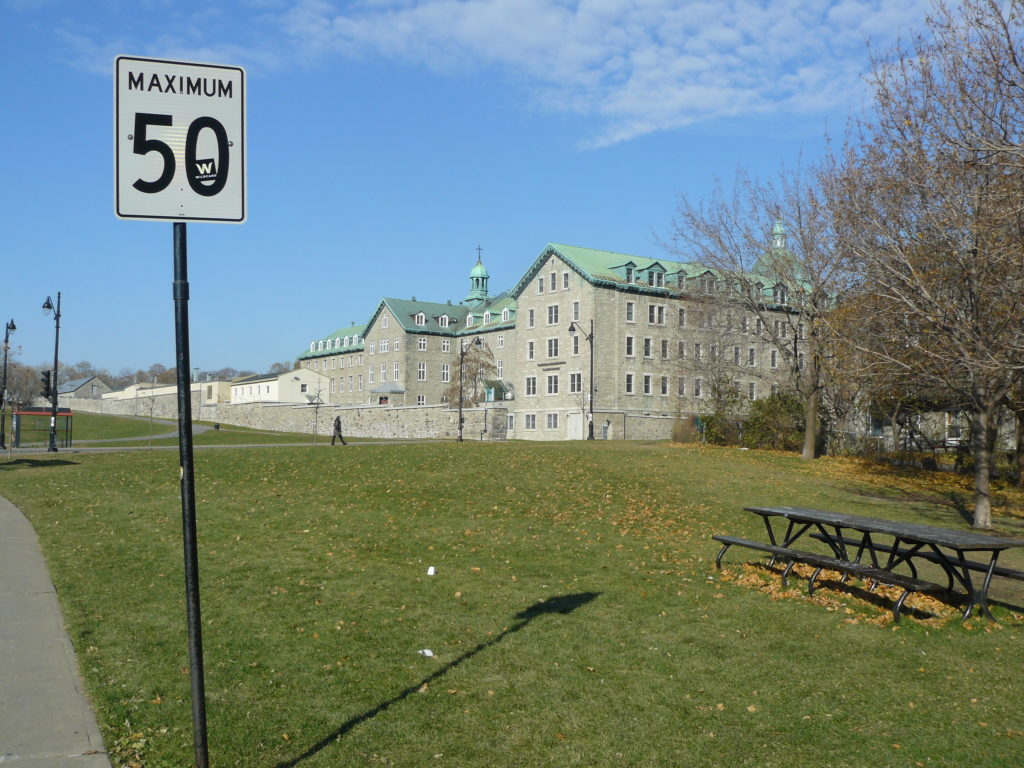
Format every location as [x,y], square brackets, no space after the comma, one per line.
[45,719]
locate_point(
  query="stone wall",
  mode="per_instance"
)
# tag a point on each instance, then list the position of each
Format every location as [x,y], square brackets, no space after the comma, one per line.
[372,421]
[162,406]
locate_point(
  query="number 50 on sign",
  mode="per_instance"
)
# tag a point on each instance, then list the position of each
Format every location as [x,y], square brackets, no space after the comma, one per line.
[179,141]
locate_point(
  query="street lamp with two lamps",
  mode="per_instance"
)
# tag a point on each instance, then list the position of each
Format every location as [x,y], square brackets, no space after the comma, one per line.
[590,340]
[8,329]
[48,308]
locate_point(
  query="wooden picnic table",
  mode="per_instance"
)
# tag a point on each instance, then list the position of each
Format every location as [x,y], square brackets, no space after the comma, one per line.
[890,543]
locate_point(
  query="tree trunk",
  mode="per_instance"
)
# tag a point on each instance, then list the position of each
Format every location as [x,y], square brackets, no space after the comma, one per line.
[810,425]
[983,443]
[1019,418]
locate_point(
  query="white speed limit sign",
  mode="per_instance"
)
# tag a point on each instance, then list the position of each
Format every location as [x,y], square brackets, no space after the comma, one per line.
[179,140]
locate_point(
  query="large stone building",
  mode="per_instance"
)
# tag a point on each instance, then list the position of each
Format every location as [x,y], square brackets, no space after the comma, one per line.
[659,335]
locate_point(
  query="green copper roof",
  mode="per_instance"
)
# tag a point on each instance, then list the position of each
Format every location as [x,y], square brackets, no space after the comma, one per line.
[479,270]
[334,343]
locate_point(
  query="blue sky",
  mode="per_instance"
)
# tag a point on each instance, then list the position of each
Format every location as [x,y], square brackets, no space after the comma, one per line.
[387,139]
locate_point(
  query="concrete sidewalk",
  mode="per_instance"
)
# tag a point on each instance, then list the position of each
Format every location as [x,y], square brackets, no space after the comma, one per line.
[45,719]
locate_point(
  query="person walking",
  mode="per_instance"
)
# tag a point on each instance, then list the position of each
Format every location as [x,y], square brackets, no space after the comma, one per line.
[336,434]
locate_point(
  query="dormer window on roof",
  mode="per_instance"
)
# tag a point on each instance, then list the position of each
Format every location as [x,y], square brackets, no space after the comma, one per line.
[320,346]
[346,341]
[487,317]
[420,319]
[629,274]
[779,294]
[443,321]
[656,278]
[505,314]
[312,346]
[469,321]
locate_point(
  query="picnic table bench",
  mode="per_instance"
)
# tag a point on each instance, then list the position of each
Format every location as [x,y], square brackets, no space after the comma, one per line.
[853,538]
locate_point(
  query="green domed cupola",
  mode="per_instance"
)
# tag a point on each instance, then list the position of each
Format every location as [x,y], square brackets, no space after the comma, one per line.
[478,278]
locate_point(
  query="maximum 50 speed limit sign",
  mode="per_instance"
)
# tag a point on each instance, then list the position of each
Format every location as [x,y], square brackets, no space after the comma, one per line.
[179,141]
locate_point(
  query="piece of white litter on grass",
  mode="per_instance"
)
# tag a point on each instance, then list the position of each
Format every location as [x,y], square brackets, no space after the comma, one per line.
[426,652]
[431,571]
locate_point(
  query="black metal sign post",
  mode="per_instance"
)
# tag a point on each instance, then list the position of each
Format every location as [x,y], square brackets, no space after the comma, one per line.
[179,155]
[188,496]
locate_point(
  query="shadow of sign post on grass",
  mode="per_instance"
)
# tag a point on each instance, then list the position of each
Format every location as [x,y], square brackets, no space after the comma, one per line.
[562,604]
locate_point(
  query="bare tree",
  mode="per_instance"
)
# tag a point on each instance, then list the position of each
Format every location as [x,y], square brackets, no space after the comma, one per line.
[772,245]
[477,368]
[928,209]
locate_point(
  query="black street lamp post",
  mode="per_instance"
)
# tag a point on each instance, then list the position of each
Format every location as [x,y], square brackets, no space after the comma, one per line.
[47,308]
[463,348]
[3,386]
[590,340]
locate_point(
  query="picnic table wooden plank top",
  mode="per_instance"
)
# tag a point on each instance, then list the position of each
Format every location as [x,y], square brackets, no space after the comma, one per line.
[948,537]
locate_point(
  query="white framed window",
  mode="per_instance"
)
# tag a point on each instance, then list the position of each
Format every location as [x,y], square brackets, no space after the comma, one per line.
[421,399]
[575,383]
[681,387]
[682,317]
[629,383]
[553,314]
[630,312]
[373,347]
[681,349]
[553,347]
[384,345]
[629,274]
[698,386]
[552,383]
[350,383]
[360,382]
[751,391]
[500,343]
[648,343]
[421,343]
[511,422]
[369,376]
[774,359]
[565,281]
[444,321]
[446,345]
[487,317]
[540,285]
[552,421]
[421,371]
[529,350]
[664,385]
[446,373]
[384,321]
[395,372]
[664,349]
[751,357]
[531,385]
[500,366]
[383,372]
[394,346]
[505,315]
[303,388]
[735,355]
[529,421]
[469,321]
[575,345]
[576,311]
[629,346]
[529,318]
[553,281]
[656,314]
[647,383]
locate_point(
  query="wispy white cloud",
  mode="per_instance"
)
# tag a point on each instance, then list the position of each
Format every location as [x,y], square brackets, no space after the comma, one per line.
[629,67]
[633,66]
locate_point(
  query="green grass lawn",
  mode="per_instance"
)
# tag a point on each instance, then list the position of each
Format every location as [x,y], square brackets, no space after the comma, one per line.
[575,617]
